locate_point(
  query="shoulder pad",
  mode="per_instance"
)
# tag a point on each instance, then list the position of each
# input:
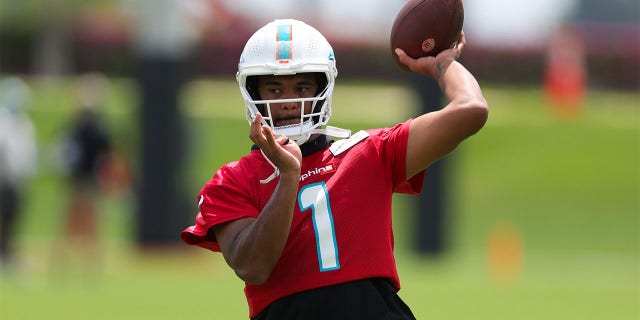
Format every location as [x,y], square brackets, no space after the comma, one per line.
[343,145]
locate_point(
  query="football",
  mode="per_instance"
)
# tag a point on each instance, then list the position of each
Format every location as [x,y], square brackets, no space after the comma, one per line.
[426,27]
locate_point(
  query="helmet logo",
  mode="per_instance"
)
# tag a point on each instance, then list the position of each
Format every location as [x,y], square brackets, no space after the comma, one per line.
[284,44]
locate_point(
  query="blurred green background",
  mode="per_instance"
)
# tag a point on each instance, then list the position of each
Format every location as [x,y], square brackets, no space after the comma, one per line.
[566,188]
[542,208]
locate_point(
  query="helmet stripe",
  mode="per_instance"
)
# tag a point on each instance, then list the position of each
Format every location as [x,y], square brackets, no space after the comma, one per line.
[283,43]
[284,32]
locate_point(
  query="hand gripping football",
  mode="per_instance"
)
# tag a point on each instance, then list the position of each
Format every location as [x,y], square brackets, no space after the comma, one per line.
[426,28]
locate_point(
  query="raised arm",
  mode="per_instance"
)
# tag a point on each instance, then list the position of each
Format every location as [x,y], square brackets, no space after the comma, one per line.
[433,135]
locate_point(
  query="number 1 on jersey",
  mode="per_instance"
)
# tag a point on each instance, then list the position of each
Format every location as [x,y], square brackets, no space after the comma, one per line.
[316,197]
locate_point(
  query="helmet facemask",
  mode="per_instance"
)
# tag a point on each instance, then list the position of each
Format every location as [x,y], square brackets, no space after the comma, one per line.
[310,122]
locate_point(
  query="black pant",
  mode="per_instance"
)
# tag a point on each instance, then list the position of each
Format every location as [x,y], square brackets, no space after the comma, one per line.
[368,299]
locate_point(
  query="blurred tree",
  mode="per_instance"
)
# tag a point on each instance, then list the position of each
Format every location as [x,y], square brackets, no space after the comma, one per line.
[165,34]
[430,212]
[51,51]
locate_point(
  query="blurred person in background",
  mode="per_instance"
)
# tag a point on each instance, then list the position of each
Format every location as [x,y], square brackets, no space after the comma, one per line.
[305,221]
[18,161]
[86,151]
[565,73]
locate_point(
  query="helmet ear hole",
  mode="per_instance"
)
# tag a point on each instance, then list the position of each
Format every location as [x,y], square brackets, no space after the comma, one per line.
[252,87]
[322,81]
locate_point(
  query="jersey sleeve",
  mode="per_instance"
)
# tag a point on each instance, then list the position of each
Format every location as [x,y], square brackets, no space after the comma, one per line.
[394,151]
[222,199]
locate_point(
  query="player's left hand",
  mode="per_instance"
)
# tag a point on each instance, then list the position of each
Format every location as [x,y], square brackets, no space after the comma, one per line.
[433,66]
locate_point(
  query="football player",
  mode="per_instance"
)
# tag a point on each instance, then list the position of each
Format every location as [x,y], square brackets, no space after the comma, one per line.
[303,219]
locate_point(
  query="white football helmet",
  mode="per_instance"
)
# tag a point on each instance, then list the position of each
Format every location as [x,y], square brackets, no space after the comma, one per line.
[284,47]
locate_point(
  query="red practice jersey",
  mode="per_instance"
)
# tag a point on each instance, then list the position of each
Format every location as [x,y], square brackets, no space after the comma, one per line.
[341,229]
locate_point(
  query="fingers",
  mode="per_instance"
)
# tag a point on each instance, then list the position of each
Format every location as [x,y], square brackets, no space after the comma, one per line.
[462,42]
[255,131]
[421,65]
[281,151]
[263,136]
[403,57]
[272,139]
[282,140]
[258,133]
[433,66]
[406,59]
[257,120]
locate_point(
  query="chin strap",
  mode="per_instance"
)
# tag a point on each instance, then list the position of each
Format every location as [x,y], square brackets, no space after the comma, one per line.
[333,132]
[276,171]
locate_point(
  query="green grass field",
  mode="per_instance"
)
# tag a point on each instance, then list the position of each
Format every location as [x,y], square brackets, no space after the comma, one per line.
[569,188]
